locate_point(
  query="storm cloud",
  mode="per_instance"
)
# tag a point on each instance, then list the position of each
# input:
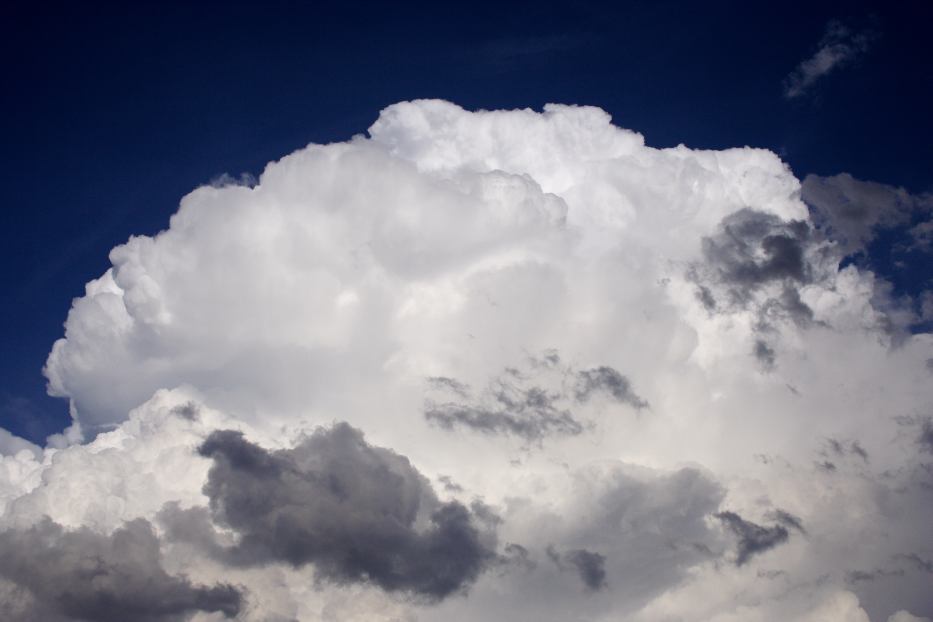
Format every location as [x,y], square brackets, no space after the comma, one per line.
[83,575]
[660,359]
[358,513]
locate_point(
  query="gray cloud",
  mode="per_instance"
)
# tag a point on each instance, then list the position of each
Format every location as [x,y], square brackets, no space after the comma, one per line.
[531,414]
[920,563]
[515,404]
[753,539]
[926,435]
[851,212]
[83,575]
[359,513]
[839,46]
[854,577]
[589,566]
[787,519]
[839,449]
[750,251]
[752,248]
[516,555]
[608,381]
[764,353]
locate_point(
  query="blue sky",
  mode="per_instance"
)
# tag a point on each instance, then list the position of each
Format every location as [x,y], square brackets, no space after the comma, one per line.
[111,113]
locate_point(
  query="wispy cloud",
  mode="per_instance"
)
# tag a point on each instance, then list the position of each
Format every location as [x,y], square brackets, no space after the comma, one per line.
[839,46]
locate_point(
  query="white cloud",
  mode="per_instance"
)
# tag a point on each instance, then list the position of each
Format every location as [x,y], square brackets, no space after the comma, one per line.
[839,46]
[509,252]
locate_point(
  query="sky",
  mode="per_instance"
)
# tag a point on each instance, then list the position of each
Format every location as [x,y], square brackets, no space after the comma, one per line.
[421,311]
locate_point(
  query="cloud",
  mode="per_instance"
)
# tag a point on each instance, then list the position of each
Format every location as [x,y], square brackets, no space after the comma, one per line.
[526,403]
[606,380]
[853,212]
[11,444]
[346,507]
[620,343]
[839,46]
[753,539]
[589,565]
[82,575]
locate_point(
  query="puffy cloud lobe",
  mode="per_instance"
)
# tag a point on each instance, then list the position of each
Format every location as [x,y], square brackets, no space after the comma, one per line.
[357,512]
[83,575]
[346,255]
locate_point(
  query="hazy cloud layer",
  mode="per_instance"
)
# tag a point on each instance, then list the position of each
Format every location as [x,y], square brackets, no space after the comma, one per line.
[665,366]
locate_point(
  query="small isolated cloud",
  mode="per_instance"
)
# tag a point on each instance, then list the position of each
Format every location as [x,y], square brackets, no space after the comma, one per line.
[839,46]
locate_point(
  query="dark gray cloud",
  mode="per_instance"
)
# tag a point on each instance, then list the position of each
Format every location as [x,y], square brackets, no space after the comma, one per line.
[752,250]
[764,353]
[787,519]
[188,410]
[854,577]
[884,229]
[358,513]
[589,566]
[608,381]
[531,414]
[787,305]
[516,555]
[920,563]
[515,402]
[836,448]
[851,212]
[926,435]
[753,539]
[83,575]
[826,465]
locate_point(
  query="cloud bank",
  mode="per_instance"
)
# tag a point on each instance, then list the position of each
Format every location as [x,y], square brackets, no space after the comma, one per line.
[488,365]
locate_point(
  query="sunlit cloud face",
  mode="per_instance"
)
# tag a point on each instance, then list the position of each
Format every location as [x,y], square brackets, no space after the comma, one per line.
[491,365]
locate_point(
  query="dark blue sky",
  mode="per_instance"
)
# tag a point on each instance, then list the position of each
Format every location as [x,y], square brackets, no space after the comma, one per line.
[111,114]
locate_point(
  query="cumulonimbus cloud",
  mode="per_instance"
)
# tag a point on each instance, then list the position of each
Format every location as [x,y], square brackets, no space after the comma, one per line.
[553,337]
